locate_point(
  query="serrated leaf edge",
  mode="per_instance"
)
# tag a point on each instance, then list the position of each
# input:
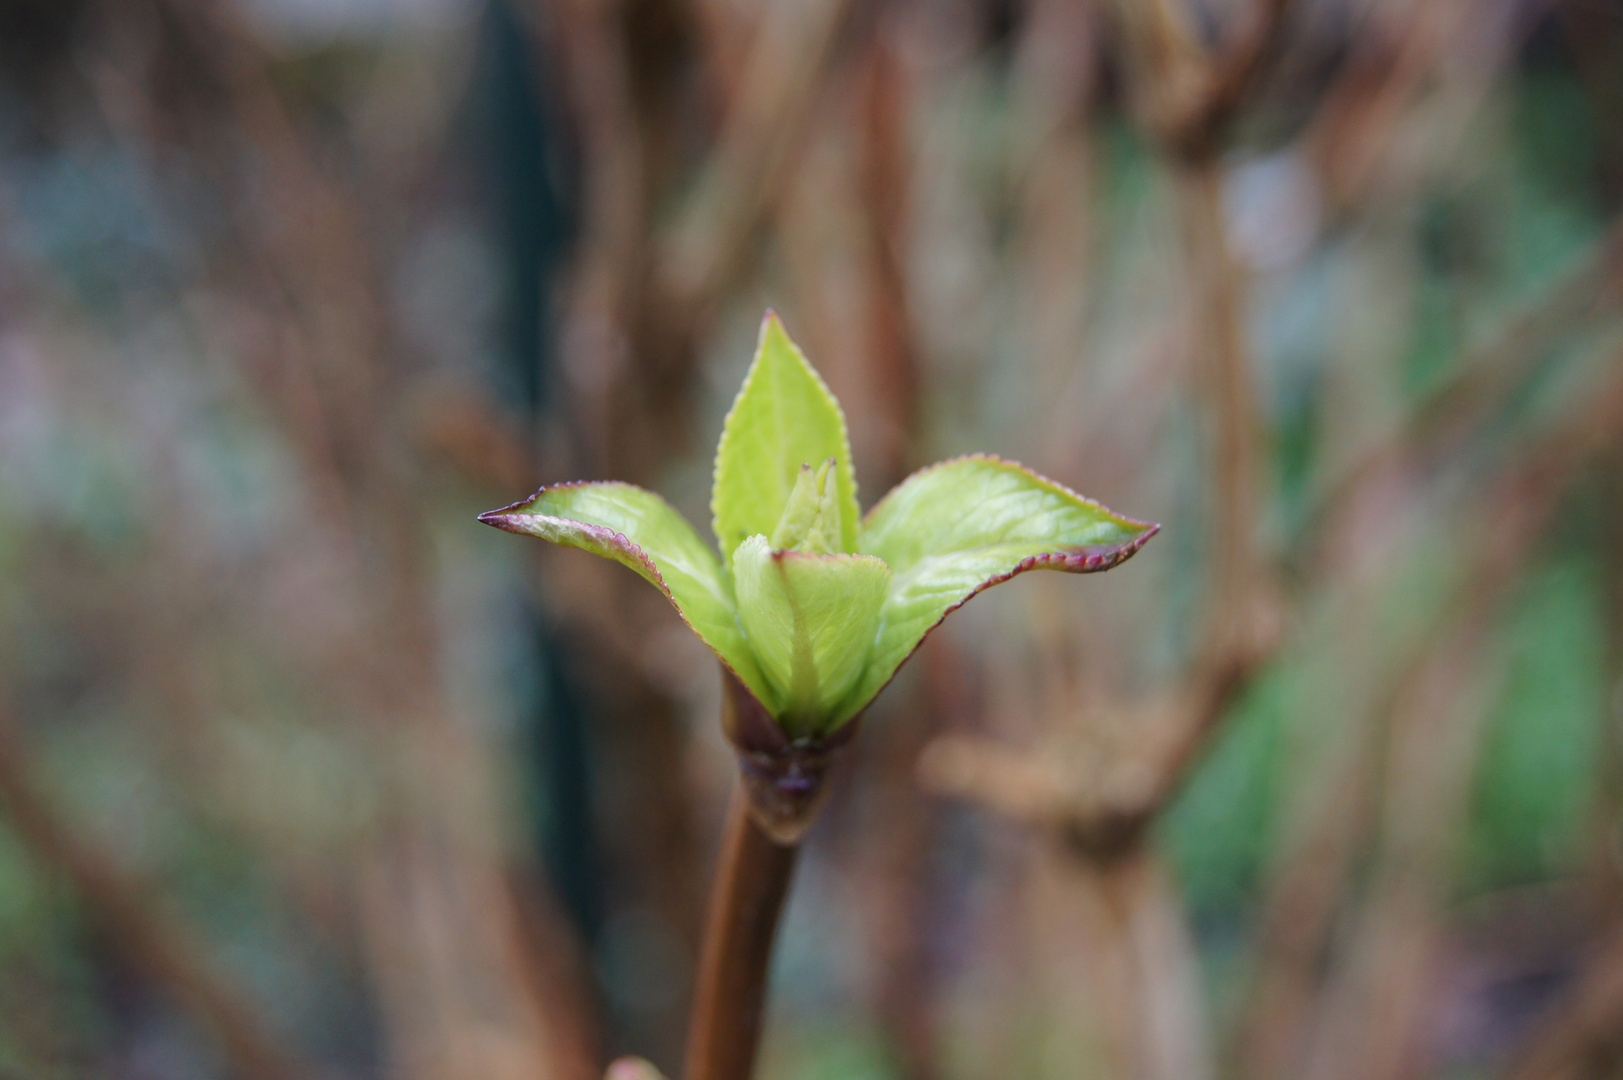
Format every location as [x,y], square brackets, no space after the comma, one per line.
[501,519]
[767,320]
[997,459]
[1091,560]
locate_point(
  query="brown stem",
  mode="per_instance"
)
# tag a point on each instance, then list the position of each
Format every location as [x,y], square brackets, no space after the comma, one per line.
[1222,373]
[751,882]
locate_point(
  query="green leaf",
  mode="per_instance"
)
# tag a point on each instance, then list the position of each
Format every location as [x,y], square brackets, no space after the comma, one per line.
[784,418]
[641,530]
[811,620]
[953,529]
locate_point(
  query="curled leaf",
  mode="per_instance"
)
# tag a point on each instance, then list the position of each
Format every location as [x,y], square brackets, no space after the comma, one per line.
[951,530]
[639,529]
[811,620]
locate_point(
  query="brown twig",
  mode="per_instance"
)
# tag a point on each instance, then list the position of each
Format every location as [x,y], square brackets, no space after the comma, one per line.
[330,384]
[642,295]
[765,121]
[1300,906]
[1241,629]
[1190,96]
[1250,633]
[1232,78]
[595,345]
[1375,1006]
[884,176]
[1507,521]
[1223,374]
[1409,58]
[1379,1005]
[752,879]
[1245,631]
[1238,643]
[1486,376]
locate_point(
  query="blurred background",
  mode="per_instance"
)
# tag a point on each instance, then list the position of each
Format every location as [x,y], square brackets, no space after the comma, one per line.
[304,773]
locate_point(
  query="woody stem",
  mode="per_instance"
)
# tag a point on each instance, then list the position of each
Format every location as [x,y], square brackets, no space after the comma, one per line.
[746,899]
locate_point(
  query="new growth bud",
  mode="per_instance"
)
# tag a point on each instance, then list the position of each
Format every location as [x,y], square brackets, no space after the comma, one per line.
[811,520]
[810,607]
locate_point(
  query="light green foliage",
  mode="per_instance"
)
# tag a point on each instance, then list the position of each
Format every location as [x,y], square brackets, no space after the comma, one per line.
[953,529]
[1536,782]
[1220,832]
[784,418]
[641,530]
[849,1049]
[812,521]
[816,619]
[812,620]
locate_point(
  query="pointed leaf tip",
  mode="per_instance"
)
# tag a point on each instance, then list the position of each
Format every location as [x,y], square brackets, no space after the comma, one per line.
[638,529]
[957,528]
[783,418]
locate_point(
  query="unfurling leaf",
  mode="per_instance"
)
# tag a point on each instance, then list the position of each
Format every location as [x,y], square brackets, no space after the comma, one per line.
[811,620]
[812,611]
[812,520]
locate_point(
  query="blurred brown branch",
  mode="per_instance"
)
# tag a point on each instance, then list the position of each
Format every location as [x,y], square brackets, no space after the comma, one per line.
[1229,267]
[135,924]
[1485,377]
[325,365]
[644,290]
[765,122]
[1455,409]
[1191,95]
[1510,515]
[1103,810]
[1243,623]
